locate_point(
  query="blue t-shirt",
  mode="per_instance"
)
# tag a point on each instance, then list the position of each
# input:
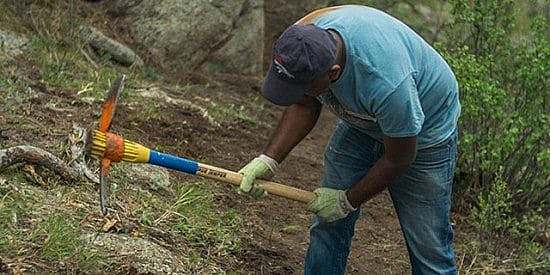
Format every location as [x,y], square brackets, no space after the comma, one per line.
[394,83]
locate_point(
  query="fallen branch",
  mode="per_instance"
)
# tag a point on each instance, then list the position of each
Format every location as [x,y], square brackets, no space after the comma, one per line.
[33,155]
[74,170]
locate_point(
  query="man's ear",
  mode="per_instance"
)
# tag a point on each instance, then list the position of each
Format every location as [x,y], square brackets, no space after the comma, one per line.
[334,72]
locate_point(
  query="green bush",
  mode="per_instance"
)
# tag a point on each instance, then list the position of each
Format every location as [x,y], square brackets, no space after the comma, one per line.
[494,214]
[504,82]
[504,161]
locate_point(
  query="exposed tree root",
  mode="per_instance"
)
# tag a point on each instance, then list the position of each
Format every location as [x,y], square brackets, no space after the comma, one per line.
[72,171]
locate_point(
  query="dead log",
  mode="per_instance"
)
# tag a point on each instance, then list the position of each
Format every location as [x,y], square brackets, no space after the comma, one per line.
[100,42]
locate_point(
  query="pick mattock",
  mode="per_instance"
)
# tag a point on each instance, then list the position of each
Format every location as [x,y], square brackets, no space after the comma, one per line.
[113,148]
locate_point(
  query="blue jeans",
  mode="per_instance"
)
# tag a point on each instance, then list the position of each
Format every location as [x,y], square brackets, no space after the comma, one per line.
[421,198]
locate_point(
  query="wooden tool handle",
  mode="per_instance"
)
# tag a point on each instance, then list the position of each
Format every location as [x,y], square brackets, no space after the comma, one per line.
[274,188]
[220,174]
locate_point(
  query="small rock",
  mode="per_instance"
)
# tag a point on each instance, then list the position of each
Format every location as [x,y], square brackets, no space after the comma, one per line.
[146,256]
[11,45]
[149,176]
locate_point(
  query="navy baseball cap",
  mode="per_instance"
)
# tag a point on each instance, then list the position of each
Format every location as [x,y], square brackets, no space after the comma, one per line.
[300,55]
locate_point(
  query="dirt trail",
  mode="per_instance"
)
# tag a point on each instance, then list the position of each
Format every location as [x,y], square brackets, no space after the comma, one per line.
[378,246]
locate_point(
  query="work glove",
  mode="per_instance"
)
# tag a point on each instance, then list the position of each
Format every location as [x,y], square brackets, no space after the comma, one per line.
[330,204]
[262,167]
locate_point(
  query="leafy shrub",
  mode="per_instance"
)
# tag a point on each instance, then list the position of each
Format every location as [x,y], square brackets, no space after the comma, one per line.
[504,80]
[503,167]
[494,214]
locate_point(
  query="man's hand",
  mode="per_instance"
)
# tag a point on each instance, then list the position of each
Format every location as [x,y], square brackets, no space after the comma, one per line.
[330,204]
[261,167]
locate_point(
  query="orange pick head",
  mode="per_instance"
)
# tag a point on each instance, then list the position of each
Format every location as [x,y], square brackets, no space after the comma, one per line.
[108,107]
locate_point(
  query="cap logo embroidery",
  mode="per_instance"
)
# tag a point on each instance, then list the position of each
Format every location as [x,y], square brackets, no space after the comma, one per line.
[280,68]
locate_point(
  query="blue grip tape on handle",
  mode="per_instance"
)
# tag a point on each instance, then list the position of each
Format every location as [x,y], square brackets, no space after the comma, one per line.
[173,162]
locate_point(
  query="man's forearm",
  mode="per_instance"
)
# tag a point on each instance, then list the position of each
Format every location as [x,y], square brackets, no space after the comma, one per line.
[380,176]
[295,123]
[399,154]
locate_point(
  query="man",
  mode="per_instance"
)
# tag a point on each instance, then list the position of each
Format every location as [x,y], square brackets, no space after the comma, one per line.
[397,103]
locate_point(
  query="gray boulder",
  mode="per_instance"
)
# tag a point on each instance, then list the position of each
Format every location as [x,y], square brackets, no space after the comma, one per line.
[219,35]
[242,53]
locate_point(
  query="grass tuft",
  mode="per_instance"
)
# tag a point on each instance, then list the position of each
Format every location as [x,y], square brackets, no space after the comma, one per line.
[60,241]
[205,225]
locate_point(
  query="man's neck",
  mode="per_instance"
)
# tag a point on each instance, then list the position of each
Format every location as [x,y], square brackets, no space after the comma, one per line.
[340,48]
